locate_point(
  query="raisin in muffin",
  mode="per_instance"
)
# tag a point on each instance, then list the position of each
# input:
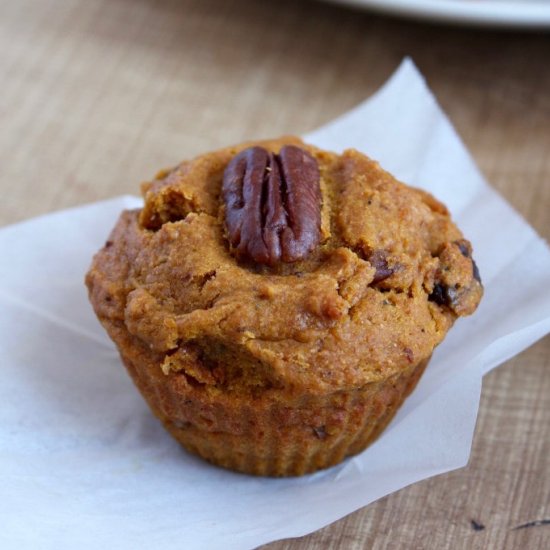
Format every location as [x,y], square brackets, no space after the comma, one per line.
[275,303]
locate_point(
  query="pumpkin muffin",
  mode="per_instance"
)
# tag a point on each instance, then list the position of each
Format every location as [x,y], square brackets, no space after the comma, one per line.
[275,303]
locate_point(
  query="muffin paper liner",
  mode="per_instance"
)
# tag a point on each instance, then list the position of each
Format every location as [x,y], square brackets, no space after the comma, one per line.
[81,453]
[270,437]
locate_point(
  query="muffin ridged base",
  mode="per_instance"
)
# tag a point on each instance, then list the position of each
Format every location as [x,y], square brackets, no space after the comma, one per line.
[272,434]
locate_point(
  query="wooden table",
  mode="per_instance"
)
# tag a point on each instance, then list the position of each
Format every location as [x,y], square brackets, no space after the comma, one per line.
[96,95]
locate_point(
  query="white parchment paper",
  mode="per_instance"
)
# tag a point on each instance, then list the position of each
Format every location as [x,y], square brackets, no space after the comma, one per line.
[83,463]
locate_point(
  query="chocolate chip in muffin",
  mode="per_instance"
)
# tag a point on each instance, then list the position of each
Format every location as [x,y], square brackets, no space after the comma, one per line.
[439,295]
[379,260]
[457,281]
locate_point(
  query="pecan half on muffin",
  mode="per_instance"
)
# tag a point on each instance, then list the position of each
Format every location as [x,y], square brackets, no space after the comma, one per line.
[275,303]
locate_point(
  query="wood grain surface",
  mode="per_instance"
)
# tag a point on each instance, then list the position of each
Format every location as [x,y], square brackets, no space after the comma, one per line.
[97,95]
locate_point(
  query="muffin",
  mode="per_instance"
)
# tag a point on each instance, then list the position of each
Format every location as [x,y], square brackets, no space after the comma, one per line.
[275,303]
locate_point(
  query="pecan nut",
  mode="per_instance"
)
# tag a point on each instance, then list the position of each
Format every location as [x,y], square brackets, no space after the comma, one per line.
[272,204]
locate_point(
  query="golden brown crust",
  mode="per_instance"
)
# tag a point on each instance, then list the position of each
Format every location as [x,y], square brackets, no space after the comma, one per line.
[366,307]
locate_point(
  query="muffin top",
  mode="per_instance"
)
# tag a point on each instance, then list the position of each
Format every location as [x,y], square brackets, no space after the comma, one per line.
[365,283]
